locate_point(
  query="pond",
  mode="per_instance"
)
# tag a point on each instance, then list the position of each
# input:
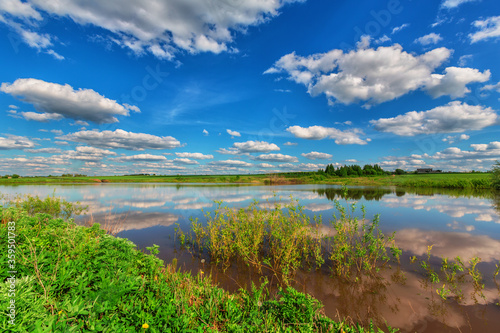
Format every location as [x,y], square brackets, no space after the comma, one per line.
[455,223]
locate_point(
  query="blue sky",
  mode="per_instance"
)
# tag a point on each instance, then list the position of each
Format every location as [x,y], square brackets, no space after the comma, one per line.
[185,87]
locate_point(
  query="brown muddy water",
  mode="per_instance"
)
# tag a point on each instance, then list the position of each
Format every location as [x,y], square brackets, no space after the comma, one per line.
[455,223]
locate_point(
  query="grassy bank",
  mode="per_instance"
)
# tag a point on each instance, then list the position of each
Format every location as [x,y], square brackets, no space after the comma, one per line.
[70,278]
[444,180]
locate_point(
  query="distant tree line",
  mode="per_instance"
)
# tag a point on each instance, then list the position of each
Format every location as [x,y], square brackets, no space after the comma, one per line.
[354,170]
[72,175]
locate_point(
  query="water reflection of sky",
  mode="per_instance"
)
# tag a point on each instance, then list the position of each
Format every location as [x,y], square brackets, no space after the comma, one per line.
[438,212]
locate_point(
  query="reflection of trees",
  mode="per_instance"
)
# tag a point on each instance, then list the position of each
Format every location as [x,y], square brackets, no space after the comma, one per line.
[377,193]
[495,200]
[354,193]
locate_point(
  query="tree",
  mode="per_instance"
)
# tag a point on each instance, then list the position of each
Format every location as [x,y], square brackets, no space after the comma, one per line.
[399,172]
[496,175]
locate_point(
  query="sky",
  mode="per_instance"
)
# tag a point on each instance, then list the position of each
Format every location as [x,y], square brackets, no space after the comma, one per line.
[247,86]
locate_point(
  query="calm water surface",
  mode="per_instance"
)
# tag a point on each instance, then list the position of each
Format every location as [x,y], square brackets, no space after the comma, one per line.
[456,223]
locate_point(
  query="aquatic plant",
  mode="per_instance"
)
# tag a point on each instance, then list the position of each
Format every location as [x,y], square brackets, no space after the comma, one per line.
[282,238]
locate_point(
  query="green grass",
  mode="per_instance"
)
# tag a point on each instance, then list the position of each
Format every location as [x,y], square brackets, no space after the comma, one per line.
[444,180]
[76,279]
[282,239]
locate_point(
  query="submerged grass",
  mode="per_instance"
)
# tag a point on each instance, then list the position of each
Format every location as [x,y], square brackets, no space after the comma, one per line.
[71,278]
[283,239]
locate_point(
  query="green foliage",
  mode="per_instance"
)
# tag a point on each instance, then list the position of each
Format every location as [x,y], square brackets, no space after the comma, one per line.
[354,170]
[359,247]
[454,275]
[283,239]
[76,279]
[52,205]
[495,175]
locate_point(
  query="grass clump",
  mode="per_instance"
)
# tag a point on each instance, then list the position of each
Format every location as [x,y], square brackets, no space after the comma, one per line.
[283,239]
[71,278]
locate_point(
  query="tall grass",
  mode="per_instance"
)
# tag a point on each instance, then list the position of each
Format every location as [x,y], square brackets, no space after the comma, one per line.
[282,239]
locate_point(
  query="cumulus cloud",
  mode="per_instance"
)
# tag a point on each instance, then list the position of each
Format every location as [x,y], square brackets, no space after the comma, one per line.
[233,133]
[495,87]
[139,157]
[41,117]
[450,139]
[431,38]
[290,143]
[454,81]
[374,76]
[185,161]
[301,167]
[205,132]
[196,156]
[15,142]
[487,29]
[122,139]
[255,147]
[86,153]
[276,158]
[231,163]
[63,100]
[314,155]
[160,27]
[451,118]
[320,132]
[44,150]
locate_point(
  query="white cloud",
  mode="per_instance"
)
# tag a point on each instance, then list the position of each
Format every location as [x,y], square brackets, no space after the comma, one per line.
[19,9]
[431,38]
[80,123]
[231,163]
[275,158]
[462,61]
[55,54]
[450,139]
[492,87]
[15,142]
[44,151]
[255,147]
[320,132]
[233,133]
[314,155]
[229,151]
[196,156]
[301,167]
[122,139]
[85,153]
[205,132]
[41,117]
[373,75]
[488,28]
[160,27]
[290,143]
[184,161]
[454,81]
[451,118]
[454,3]
[65,101]
[266,165]
[401,27]
[139,157]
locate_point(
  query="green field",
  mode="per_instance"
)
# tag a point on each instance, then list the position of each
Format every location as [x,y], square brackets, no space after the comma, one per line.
[443,180]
